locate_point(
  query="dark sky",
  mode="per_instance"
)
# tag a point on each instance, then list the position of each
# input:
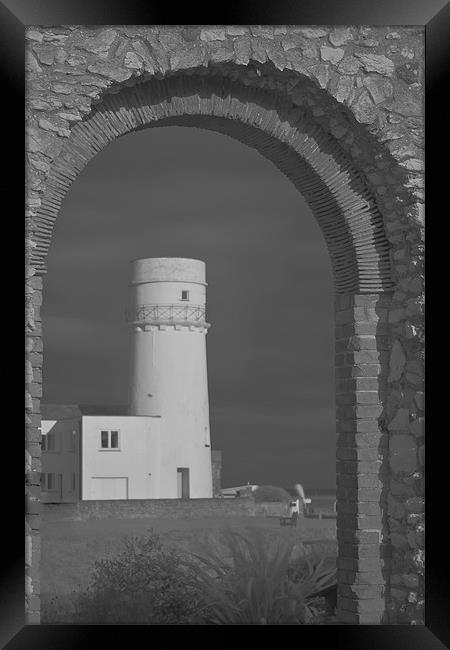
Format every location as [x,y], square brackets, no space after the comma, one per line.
[185,192]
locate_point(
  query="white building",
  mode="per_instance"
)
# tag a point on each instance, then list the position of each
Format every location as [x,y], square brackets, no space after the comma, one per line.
[101,457]
[162,449]
[121,457]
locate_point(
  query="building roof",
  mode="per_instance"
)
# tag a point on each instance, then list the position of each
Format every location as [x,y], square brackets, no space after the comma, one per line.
[111,409]
[60,411]
[69,411]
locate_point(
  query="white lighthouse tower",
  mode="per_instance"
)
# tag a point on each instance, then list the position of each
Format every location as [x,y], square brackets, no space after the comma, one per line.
[169,375]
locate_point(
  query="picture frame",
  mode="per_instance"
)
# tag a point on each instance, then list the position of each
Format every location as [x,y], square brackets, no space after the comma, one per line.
[15,16]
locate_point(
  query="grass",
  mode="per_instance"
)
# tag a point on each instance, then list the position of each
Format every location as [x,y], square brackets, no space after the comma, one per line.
[70,548]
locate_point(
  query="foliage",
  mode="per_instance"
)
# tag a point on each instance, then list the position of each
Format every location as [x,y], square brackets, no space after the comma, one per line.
[271,493]
[257,582]
[315,573]
[145,583]
[235,578]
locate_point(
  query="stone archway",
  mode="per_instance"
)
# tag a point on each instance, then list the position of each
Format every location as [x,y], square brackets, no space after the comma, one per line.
[350,181]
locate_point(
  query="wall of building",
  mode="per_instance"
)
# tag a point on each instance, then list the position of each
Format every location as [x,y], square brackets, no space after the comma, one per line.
[170,365]
[64,461]
[133,470]
[163,508]
[136,470]
[216,464]
[170,293]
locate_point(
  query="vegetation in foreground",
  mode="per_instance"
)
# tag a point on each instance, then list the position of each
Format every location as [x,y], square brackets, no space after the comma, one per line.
[244,579]
[260,583]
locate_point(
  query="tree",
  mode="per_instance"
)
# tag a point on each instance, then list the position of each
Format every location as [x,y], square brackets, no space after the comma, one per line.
[271,493]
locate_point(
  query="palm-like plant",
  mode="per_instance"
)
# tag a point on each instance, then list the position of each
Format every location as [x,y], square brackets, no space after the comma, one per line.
[315,575]
[256,582]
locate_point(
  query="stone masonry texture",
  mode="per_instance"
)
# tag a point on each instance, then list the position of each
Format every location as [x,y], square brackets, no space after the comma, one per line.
[339,110]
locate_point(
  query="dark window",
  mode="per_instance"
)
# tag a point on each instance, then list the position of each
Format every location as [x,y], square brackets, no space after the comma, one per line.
[43,443]
[71,439]
[105,440]
[50,442]
[185,295]
[43,480]
[110,440]
[50,481]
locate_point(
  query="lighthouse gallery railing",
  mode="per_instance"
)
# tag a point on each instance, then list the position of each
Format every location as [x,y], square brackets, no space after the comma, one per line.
[166,314]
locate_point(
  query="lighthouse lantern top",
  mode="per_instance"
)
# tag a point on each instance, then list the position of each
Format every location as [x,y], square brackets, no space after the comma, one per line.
[168,269]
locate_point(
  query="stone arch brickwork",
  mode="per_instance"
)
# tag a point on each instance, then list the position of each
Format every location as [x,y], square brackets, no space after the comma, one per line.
[339,111]
[314,161]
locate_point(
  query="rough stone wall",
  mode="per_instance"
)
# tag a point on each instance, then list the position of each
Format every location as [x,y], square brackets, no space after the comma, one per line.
[364,88]
[168,508]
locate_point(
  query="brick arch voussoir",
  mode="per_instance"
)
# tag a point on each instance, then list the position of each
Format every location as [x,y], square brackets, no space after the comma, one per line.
[313,160]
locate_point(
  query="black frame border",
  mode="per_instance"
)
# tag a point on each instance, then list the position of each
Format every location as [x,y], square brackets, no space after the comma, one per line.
[434,16]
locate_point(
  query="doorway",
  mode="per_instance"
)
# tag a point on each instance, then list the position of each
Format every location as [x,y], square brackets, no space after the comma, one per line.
[183,482]
[108,487]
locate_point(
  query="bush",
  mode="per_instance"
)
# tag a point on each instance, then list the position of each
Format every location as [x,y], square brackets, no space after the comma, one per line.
[146,583]
[235,578]
[258,583]
[271,493]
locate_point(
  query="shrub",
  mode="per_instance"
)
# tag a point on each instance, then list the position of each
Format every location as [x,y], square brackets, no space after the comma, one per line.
[257,582]
[236,578]
[145,583]
[271,493]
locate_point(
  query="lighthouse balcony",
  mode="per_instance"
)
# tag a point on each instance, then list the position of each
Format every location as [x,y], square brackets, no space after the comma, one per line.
[167,315]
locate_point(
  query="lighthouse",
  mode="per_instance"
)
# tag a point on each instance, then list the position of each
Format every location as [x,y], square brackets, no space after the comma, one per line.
[168,377]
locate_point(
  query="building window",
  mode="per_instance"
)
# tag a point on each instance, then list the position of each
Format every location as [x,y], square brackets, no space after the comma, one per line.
[71,439]
[50,442]
[114,439]
[184,295]
[110,440]
[48,481]
[43,442]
